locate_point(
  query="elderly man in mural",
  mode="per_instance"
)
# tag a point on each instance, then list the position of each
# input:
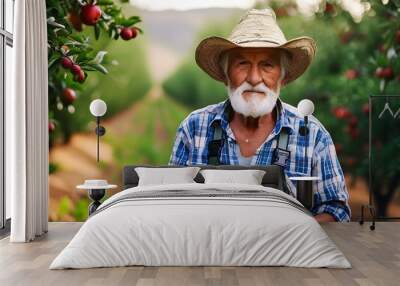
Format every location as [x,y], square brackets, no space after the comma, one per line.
[254,63]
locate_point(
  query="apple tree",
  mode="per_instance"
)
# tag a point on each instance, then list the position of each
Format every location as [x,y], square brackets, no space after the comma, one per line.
[364,63]
[71,56]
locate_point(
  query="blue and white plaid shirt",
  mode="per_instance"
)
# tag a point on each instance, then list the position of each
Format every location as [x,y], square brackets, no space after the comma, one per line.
[331,196]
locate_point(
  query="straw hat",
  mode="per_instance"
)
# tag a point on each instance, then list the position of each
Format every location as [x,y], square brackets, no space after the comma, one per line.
[257,28]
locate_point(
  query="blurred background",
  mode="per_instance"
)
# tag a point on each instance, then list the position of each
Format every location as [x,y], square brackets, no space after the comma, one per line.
[151,82]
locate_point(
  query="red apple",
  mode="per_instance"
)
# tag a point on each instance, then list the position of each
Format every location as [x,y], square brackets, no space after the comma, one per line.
[75,20]
[382,48]
[67,63]
[388,72]
[353,121]
[80,77]
[69,95]
[90,14]
[76,69]
[378,72]
[134,32]
[384,72]
[398,36]
[351,74]
[341,112]
[351,161]
[329,8]
[126,33]
[52,126]
[352,131]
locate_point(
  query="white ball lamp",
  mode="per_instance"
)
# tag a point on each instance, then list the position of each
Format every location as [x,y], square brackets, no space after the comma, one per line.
[98,108]
[305,108]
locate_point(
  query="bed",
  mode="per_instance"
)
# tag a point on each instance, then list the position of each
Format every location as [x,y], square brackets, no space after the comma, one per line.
[201,224]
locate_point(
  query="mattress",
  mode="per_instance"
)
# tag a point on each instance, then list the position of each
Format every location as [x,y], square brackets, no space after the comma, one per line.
[201,225]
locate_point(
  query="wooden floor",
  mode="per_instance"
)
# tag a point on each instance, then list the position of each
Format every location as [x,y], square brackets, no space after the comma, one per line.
[375,256]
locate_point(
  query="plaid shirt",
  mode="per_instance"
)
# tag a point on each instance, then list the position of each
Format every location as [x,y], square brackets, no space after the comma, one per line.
[330,193]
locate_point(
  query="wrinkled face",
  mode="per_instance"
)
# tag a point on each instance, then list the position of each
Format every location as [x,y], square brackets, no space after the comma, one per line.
[254,80]
[254,66]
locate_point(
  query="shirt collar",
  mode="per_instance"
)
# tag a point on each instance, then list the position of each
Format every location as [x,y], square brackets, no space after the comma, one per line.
[282,119]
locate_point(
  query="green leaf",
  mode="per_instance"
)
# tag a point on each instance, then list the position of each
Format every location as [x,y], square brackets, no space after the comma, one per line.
[116,36]
[78,38]
[111,32]
[105,2]
[129,22]
[105,16]
[51,21]
[74,43]
[99,68]
[140,30]
[134,17]
[103,25]
[113,11]
[96,31]
[381,60]
[87,68]
[99,57]
[53,60]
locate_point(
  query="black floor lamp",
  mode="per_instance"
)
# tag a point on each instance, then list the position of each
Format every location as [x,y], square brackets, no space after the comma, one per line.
[98,108]
[370,206]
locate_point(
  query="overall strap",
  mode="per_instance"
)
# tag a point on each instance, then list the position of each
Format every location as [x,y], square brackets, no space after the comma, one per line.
[215,145]
[281,156]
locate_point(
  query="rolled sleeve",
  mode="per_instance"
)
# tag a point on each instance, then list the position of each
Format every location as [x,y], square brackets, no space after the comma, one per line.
[339,211]
[331,195]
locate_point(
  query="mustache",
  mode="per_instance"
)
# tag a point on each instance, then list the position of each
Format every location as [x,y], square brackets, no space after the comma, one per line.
[259,88]
[253,90]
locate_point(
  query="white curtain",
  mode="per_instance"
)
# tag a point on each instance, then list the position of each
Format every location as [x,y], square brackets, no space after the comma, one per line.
[27,124]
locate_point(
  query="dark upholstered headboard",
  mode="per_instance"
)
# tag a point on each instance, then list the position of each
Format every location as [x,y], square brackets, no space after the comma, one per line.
[272,177]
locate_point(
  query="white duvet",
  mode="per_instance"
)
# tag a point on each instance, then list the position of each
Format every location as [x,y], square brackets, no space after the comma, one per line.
[183,231]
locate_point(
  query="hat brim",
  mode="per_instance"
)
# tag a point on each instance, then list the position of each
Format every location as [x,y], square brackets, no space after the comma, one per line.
[209,51]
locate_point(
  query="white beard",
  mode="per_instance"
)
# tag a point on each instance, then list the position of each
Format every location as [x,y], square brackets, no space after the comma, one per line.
[257,105]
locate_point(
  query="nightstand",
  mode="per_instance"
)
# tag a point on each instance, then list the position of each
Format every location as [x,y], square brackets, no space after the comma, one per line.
[304,190]
[96,191]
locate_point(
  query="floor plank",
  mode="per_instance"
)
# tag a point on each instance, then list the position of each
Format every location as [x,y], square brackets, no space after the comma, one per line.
[374,255]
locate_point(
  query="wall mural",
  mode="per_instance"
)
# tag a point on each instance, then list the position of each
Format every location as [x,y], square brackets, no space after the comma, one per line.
[141,63]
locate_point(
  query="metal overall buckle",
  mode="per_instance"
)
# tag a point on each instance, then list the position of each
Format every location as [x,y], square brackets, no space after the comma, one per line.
[281,157]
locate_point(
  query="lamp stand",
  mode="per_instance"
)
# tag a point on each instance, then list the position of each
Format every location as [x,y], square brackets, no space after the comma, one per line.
[100,131]
[95,195]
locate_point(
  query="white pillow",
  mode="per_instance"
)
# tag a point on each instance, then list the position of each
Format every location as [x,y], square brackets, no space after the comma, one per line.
[249,177]
[162,176]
